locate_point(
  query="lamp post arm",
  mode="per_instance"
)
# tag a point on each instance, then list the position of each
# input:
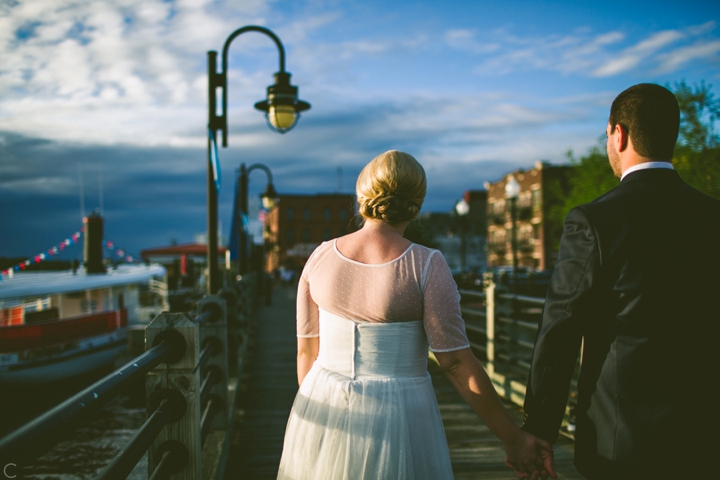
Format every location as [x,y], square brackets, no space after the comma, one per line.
[263,168]
[252,28]
[222,76]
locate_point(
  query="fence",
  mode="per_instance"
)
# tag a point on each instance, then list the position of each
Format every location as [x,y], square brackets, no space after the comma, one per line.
[502,328]
[192,369]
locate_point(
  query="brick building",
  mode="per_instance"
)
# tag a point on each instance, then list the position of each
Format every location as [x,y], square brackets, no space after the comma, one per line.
[299,223]
[538,232]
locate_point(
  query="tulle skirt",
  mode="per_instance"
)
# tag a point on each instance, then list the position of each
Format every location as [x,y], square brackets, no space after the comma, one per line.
[348,424]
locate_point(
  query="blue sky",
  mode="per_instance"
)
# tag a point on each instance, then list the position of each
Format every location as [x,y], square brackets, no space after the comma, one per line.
[473,89]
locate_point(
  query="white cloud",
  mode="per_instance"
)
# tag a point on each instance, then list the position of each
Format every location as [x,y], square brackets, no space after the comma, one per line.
[632,56]
[584,52]
[464,39]
[675,59]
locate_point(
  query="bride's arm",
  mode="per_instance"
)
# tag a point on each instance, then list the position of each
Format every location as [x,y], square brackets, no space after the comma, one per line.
[308,349]
[526,452]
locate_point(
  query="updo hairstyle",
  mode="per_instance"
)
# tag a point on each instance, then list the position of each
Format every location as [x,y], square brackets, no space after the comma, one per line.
[391,188]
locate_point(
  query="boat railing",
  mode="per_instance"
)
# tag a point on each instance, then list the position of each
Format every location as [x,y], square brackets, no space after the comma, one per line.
[191,382]
[502,327]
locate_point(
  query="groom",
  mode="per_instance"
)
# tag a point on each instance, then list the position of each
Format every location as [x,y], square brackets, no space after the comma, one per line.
[637,284]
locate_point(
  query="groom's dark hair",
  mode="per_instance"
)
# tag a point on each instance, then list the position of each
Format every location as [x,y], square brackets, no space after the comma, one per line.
[651,116]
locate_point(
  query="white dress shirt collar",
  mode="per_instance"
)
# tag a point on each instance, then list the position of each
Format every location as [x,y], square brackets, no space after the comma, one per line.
[644,165]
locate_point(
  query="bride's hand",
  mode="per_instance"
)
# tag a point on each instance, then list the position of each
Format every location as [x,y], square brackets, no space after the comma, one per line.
[530,457]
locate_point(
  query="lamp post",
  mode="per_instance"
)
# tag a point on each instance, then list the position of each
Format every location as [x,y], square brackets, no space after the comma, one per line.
[269,198]
[512,191]
[282,109]
[462,208]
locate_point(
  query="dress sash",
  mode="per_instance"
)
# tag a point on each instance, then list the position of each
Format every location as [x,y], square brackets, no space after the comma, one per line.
[370,350]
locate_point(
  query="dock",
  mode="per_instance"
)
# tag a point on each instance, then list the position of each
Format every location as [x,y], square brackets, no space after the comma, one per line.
[270,385]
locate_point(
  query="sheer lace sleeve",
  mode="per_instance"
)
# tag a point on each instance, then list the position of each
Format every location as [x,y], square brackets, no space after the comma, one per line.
[443,321]
[308,315]
[307,311]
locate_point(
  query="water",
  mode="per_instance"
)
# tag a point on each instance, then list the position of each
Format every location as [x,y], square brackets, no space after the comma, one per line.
[86,451]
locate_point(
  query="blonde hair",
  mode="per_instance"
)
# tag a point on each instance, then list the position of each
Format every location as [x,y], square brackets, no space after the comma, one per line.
[391,188]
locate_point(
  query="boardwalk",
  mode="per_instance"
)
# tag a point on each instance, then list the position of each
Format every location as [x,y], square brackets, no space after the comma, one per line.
[270,387]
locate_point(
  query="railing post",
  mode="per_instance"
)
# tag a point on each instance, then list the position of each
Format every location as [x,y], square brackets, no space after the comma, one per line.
[183,377]
[234,329]
[490,323]
[216,331]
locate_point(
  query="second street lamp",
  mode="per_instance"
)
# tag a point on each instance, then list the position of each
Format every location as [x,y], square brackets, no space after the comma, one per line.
[282,109]
[462,208]
[269,198]
[512,191]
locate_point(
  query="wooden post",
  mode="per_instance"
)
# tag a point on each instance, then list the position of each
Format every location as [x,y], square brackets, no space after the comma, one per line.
[234,330]
[217,330]
[490,323]
[184,377]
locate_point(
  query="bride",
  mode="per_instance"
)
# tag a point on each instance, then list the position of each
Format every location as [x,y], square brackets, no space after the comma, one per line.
[369,305]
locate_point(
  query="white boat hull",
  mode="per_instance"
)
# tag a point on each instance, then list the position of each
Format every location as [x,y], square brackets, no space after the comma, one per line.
[91,354]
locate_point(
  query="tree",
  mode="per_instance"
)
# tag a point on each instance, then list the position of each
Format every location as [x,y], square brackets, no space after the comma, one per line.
[589,178]
[697,154]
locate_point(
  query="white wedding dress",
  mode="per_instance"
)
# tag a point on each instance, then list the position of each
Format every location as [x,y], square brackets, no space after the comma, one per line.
[367,409]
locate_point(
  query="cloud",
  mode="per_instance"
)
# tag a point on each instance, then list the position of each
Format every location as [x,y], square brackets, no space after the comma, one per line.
[464,39]
[632,56]
[584,52]
[675,59]
[152,194]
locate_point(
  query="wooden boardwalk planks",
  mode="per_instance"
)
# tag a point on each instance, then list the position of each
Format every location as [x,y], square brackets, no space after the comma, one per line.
[270,386]
[267,393]
[475,452]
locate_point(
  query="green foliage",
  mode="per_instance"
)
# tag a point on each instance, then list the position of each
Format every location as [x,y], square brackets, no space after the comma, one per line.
[697,153]
[698,112]
[590,178]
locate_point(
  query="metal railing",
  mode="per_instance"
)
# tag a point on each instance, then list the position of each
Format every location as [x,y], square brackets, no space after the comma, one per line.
[191,379]
[502,328]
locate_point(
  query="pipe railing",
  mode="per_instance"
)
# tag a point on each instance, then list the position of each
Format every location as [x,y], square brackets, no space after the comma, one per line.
[502,328]
[187,384]
[37,437]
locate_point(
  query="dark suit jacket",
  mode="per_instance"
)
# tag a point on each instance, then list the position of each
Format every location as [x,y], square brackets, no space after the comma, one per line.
[638,276]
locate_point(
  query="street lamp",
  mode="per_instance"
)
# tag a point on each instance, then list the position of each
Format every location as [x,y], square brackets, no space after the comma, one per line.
[282,108]
[462,208]
[512,191]
[269,199]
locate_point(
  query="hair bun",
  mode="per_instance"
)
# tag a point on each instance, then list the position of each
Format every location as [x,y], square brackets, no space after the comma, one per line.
[390,208]
[391,188]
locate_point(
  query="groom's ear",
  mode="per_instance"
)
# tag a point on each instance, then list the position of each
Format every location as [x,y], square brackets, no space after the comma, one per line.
[621,137]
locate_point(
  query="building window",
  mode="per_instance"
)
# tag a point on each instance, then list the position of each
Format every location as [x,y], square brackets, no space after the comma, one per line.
[343,214]
[306,235]
[306,213]
[290,236]
[326,214]
[536,198]
[326,235]
[290,213]
[536,231]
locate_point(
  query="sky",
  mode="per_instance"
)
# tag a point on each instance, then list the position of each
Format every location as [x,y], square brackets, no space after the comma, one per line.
[103,104]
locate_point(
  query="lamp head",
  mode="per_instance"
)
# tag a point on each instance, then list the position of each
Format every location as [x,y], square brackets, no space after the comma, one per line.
[269,197]
[282,107]
[512,188]
[462,208]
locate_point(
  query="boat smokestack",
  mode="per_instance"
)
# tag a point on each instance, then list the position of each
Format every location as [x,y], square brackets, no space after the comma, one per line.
[93,243]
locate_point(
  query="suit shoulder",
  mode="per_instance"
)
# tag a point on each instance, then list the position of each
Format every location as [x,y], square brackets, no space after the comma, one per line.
[703,199]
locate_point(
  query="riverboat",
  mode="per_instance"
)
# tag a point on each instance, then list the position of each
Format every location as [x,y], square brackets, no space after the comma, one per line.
[58,325]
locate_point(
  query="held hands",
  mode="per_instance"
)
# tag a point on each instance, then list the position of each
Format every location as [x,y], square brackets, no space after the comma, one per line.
[530,457]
